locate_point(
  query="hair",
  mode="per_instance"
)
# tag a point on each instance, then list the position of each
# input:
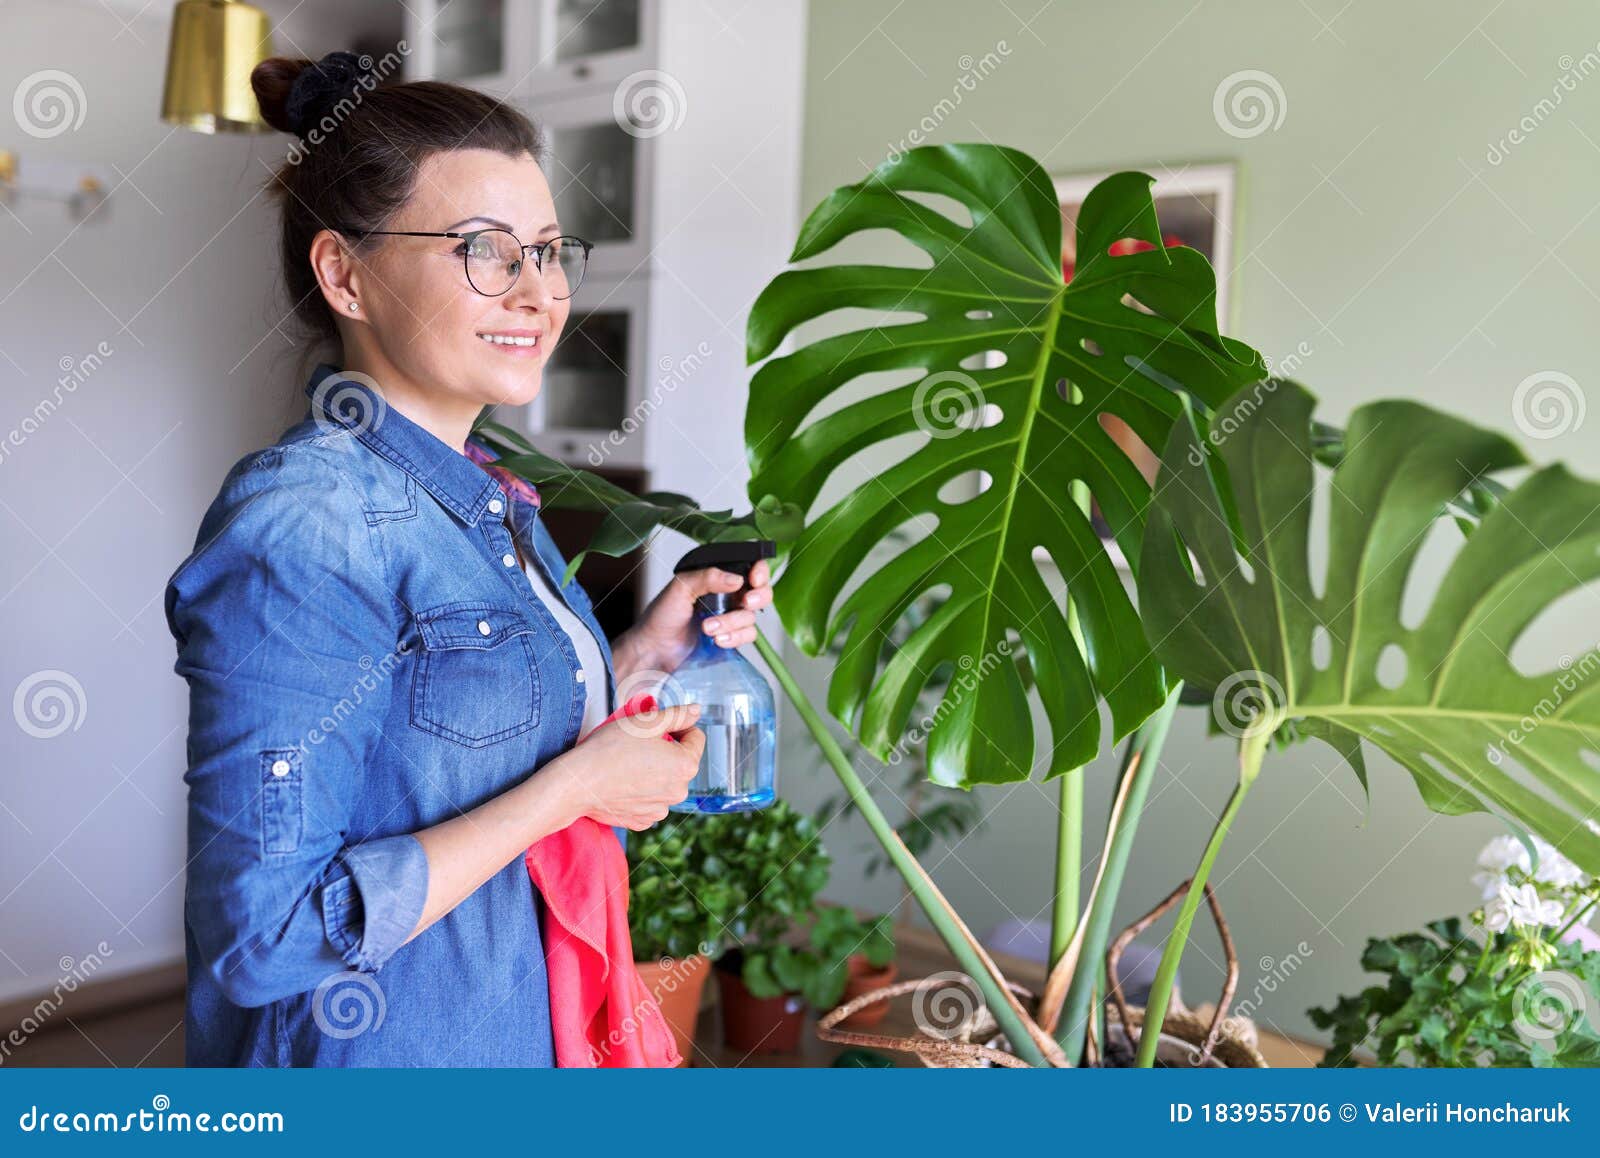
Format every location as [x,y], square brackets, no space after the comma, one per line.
[357,163]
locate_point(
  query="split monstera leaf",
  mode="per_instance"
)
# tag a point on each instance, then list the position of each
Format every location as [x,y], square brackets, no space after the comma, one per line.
[1004,375]
[1227,595]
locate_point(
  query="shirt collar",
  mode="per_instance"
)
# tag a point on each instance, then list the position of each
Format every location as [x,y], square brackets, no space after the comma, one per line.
[350,401]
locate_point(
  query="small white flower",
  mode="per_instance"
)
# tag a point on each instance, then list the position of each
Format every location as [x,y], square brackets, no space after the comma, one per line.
[1498,856]
[1522,907]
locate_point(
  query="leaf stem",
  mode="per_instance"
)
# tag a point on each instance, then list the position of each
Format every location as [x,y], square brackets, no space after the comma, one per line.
[1252,748]
[973,960]
[1140,759]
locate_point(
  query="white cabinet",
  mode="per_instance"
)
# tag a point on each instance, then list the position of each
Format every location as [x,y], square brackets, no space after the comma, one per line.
[676,131]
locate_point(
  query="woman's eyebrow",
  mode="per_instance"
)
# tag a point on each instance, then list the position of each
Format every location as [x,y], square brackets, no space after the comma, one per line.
[490,221]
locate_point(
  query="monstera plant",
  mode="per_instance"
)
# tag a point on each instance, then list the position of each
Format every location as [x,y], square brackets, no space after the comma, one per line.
[1226,593]
[972,416]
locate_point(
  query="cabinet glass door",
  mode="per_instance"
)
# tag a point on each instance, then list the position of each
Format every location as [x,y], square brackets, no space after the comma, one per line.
[593,178]
[588,27]
[469,39]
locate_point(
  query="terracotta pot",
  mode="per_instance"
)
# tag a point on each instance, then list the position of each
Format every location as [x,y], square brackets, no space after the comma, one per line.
[752,1024]
[676,984]
[864,979]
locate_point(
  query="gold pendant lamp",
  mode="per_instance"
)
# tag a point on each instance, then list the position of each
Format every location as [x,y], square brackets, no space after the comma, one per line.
[215,45]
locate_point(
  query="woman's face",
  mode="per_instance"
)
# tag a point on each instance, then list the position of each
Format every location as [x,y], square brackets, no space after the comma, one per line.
[427,321]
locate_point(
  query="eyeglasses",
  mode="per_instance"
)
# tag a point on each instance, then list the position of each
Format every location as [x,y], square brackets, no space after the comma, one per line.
[494,258]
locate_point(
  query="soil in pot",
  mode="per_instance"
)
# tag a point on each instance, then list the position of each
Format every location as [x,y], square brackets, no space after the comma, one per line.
[752,1024]
[677,983]
[864,978]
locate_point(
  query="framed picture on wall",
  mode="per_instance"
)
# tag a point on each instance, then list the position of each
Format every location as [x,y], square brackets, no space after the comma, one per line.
[1195,206]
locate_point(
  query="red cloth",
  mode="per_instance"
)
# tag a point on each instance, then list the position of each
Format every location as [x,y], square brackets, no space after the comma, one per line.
[601,1013]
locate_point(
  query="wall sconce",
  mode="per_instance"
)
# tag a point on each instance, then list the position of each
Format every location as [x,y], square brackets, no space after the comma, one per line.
[82,190]
[215,45]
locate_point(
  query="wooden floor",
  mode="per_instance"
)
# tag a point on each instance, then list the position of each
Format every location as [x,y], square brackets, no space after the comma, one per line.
[150,1033]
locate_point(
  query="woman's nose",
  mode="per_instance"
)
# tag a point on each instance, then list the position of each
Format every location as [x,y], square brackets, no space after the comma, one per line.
[530,291]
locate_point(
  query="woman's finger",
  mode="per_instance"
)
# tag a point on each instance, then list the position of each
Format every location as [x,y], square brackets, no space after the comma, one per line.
[709,581]
[728,622]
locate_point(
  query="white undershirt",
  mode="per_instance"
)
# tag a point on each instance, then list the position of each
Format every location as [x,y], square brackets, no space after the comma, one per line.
[583,642]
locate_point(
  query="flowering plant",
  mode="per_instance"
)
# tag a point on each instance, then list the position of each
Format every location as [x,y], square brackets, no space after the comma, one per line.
[1517,985]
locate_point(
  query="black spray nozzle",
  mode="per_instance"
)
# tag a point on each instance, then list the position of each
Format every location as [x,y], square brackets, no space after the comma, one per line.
[736,556]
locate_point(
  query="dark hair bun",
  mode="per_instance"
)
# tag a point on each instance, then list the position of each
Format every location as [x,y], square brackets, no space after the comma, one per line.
[273,80]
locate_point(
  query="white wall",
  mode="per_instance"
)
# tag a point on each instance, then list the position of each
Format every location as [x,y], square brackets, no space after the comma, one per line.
[101,499]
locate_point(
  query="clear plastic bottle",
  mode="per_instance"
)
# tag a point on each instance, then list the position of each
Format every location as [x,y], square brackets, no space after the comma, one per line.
[738,771]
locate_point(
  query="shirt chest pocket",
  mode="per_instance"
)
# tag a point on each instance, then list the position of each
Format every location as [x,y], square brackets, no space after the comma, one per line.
[477,674]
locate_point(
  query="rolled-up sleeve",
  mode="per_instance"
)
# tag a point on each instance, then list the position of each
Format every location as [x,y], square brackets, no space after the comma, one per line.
[288,636]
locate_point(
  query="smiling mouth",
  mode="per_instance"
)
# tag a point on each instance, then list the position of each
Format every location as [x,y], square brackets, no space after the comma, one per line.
[512,341]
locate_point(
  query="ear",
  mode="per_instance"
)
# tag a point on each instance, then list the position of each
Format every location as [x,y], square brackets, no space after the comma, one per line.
[337,274]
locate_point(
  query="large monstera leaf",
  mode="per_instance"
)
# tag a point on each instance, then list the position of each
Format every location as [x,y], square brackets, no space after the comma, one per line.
[1120,339]
[1474,731]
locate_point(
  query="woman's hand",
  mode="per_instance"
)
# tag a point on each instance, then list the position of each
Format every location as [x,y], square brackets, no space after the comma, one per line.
[624,774]
[665,634]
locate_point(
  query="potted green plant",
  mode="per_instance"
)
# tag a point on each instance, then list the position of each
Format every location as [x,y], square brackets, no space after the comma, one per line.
[867,948]
[1512,986]
[680,907]
[778,864]
[1004,375]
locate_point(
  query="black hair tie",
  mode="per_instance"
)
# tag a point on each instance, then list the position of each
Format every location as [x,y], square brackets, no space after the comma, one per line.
[321,86]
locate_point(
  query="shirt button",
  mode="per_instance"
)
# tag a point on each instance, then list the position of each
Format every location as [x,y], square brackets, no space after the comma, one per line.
[580,675]
[483,627]
[496,506]
[280,767]
[509,560]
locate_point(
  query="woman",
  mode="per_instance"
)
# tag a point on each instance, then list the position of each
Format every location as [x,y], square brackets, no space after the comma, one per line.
[385,686]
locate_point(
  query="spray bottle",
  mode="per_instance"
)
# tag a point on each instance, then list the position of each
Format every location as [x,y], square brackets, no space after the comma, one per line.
[739,767]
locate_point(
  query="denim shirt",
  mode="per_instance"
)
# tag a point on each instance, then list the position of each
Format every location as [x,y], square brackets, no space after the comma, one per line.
[364,659]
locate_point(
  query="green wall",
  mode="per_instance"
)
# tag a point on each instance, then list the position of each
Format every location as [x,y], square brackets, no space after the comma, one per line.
[1378,239]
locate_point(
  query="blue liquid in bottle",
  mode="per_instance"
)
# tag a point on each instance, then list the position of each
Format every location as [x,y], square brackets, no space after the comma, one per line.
[738,769]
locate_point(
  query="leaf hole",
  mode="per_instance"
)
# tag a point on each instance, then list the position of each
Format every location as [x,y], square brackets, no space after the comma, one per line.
[1090,346]
[1590,757]
[1431,561]
[1392,666]
[1321,648]
[984,360]
[1544,648]
[979,315]
[965,487]
[941,204]
[1134,303]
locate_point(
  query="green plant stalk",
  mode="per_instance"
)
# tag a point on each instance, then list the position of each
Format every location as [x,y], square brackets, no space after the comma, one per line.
[1251,749]
[933,904]
[1065,901]
[1139,759]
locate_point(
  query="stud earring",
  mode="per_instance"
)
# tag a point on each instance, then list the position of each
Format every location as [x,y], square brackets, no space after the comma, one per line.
[354,306]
